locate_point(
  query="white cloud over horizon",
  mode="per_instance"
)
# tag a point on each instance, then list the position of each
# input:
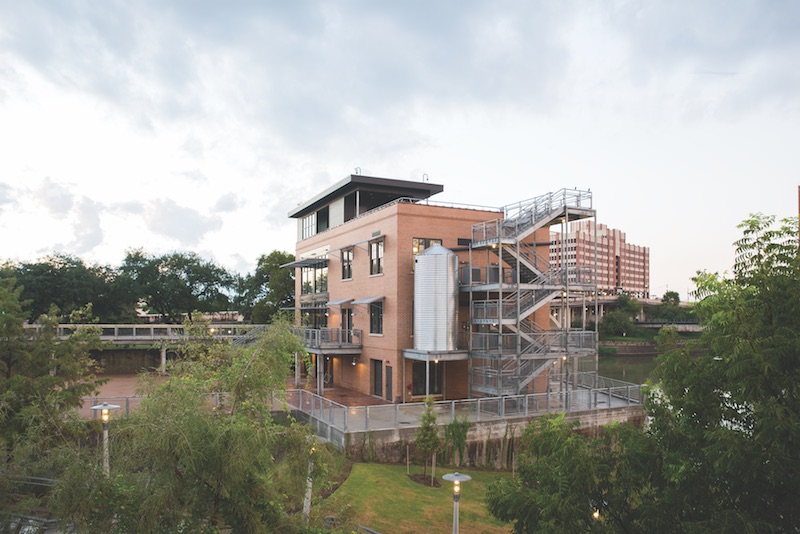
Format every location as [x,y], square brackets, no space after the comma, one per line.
[197,126]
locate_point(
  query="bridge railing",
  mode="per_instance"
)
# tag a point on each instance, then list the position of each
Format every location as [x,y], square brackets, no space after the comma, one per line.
[141,332]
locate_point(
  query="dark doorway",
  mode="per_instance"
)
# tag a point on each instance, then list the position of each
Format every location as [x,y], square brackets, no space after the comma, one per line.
[328,370]
[388,384]
[347,325]
[377,377]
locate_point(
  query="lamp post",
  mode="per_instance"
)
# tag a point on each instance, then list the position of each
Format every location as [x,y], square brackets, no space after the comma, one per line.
[105,415]
[457,478]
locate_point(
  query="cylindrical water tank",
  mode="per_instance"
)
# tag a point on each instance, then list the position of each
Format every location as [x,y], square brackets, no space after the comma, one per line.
[436,299]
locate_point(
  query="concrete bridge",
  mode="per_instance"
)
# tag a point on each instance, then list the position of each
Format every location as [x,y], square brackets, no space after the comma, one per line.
[161,336]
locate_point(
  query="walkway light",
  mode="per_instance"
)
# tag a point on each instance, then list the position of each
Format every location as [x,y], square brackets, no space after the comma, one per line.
[457,478]
[105,415]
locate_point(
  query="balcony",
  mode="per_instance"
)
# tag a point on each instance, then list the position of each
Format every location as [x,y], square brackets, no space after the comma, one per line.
[330,340]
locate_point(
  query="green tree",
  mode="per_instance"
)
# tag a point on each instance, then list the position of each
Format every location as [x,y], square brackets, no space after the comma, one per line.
[69,284]
[178,283]
[427,438]
[196,460]
[671,297]
[268,290]
[720,454]
[43,379]
[670,310]
[628,305]
[567,482]
[41,376]
[728,420]
[616,323]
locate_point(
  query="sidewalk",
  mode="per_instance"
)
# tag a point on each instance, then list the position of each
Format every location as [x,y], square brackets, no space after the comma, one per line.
[125,386]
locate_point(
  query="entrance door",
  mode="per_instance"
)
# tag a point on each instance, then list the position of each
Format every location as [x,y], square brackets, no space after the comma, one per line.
[377,377]
[388,384]
[347,325]
[328,370]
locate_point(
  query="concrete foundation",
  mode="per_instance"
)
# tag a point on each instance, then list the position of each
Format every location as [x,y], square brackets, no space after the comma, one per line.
[489,443]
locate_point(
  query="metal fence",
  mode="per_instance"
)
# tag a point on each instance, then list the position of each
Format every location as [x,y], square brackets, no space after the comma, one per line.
[334,421]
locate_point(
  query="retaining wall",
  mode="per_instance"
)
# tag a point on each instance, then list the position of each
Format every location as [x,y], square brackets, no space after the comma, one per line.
[489,443]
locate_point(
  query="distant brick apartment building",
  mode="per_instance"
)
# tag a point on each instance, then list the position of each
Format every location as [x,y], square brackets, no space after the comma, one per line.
[622,268]
[400,297]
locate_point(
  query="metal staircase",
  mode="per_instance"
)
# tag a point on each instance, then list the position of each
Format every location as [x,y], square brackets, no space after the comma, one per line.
[508,350]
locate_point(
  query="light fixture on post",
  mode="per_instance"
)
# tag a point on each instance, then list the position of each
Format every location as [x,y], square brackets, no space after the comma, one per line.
[105,415]
[456,478]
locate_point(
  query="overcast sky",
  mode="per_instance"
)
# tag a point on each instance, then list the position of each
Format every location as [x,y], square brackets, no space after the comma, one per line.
[197,125]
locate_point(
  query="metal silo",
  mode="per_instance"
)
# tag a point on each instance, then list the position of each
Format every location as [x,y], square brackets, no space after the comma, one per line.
[436,299]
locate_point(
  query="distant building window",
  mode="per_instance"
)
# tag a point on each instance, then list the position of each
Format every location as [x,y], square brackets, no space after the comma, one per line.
[376,318]
[347,264]
[376,257]
[309,227]
[418,244]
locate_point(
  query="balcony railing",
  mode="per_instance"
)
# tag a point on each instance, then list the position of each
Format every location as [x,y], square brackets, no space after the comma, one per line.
[329,338]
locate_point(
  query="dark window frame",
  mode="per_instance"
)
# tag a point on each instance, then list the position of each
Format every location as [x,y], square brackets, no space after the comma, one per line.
[418,244]
[418,378]
[376,317]
[347,264]
[376,253]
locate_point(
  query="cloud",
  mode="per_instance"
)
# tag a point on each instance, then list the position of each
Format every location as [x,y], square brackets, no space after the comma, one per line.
[196,176]
[55,197]
[6,194]
[87,228]
[132,207]
[185,225]
[226,203]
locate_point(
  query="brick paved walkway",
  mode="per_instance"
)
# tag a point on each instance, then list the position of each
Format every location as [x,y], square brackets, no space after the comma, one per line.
[125,386]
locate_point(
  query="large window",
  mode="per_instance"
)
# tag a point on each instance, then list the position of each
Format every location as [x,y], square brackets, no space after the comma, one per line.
[376,257]
[309,227]
[418,244]
[314,279]
[313,315]
[376,318]
[418,372]
[347,264]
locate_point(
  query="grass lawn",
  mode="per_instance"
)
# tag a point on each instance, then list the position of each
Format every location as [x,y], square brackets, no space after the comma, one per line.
[383,498]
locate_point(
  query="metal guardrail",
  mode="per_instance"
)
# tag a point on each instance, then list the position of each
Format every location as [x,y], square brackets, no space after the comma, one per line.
[526,214]
[121,333]
[330,338]
[334,421]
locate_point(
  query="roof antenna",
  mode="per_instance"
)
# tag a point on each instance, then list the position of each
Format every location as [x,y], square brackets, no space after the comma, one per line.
[358,170]
[425,177]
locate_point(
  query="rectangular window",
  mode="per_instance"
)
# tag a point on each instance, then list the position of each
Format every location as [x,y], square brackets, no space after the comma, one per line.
[435,375]
[322,279]
[418,244]
[307,278]
[314,279]
[376,257]
[376,318]
[309,227]
[347,264]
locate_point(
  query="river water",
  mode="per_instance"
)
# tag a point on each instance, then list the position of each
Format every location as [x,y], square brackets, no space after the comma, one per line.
[634,369]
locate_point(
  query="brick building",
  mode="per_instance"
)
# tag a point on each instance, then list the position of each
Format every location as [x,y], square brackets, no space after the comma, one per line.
[400,297]
[622,268]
